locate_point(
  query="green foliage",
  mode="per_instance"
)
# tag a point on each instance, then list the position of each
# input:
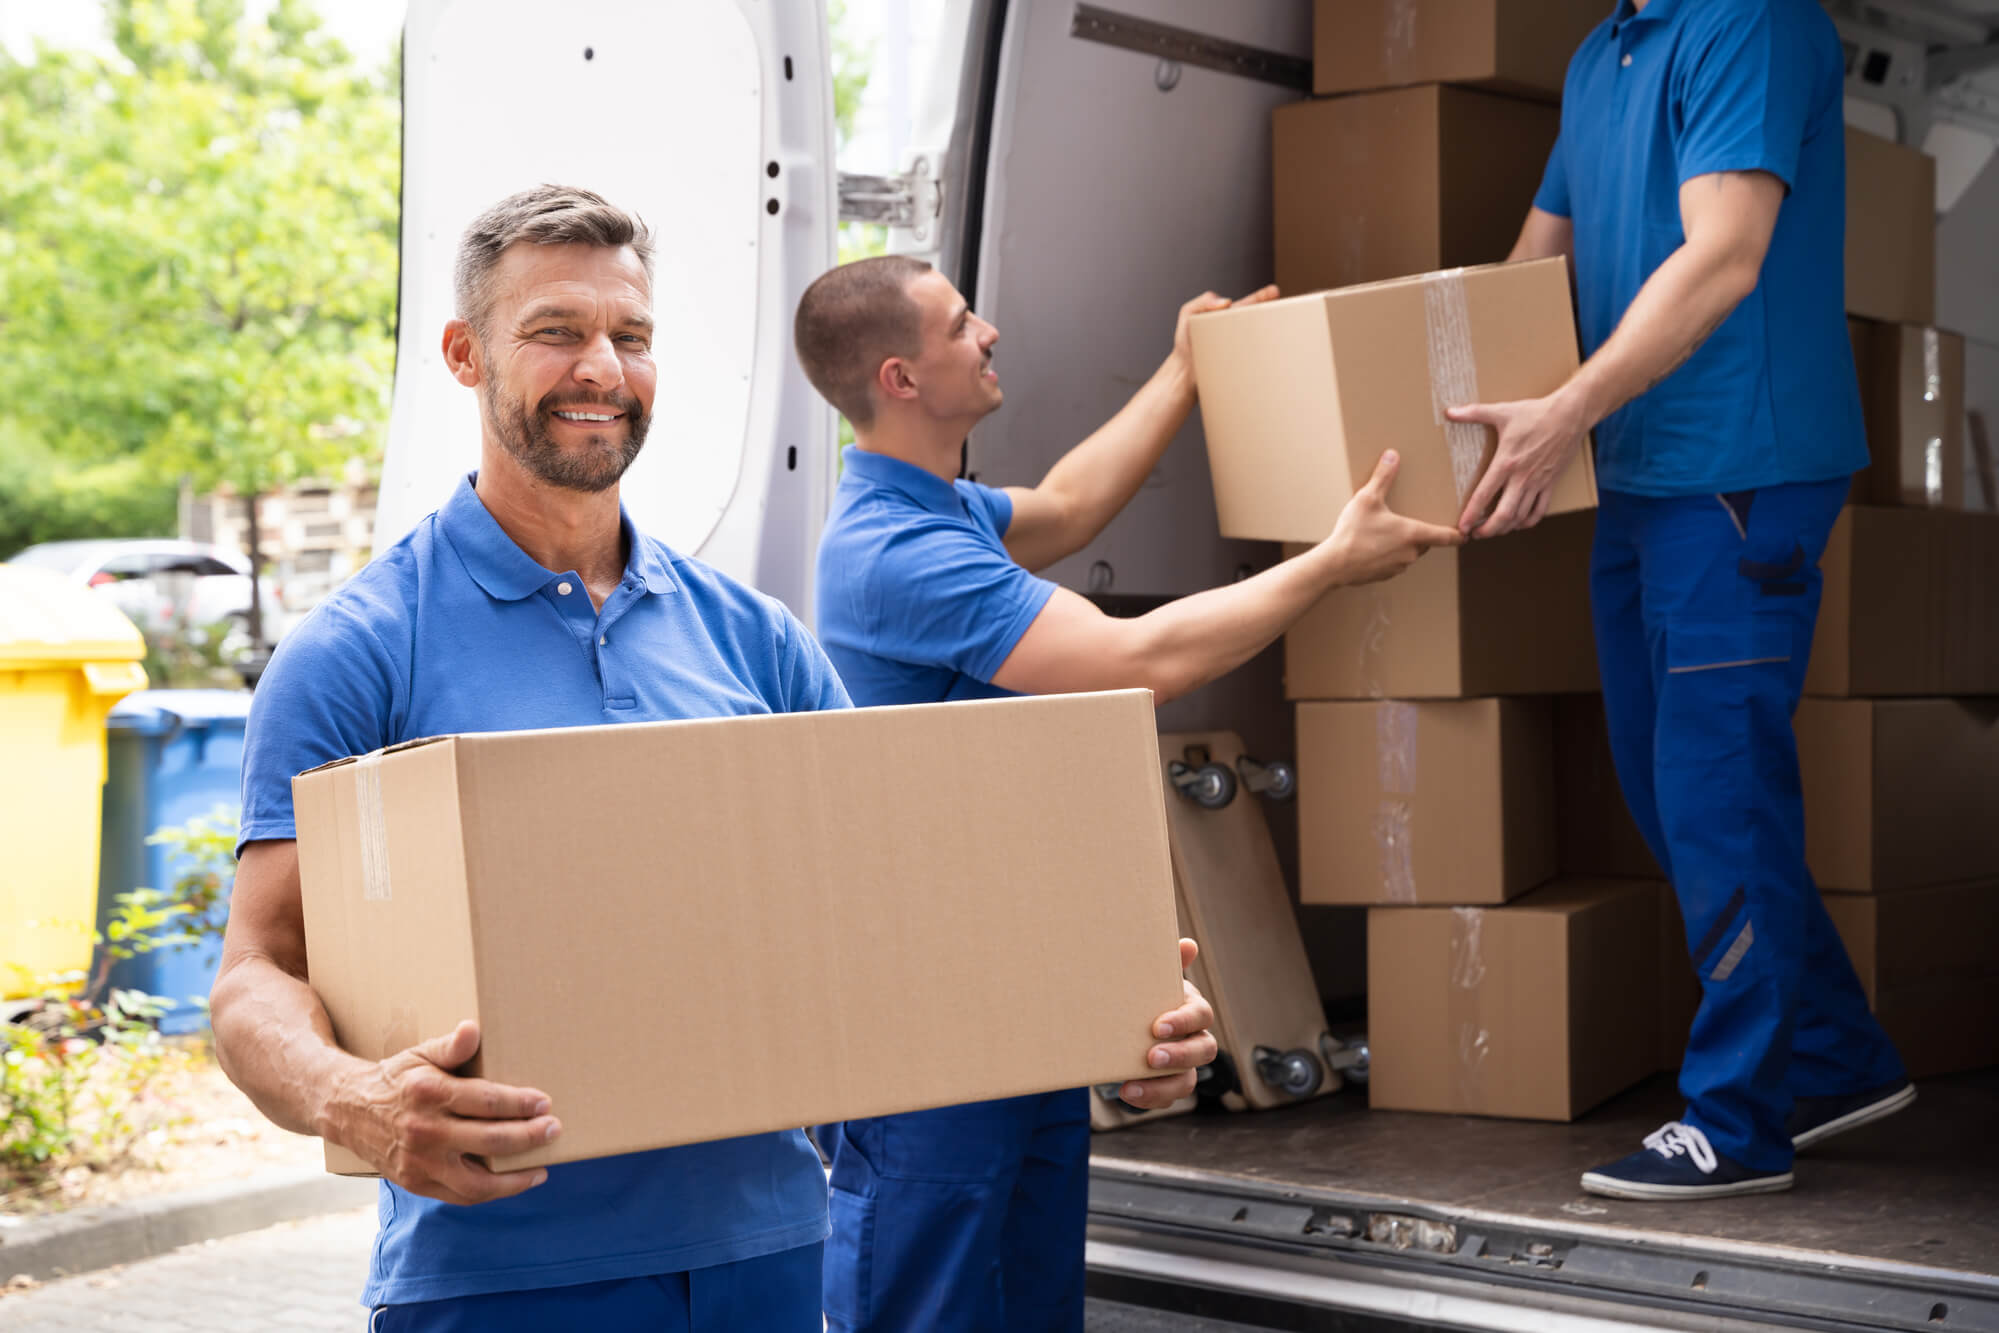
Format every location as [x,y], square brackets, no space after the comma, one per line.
[44,498]
[78,1067]
[181,655]
[197,247]
[852,63]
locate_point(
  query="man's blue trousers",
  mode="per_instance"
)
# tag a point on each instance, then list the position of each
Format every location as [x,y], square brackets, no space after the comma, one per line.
[1704,609]
[960,1220]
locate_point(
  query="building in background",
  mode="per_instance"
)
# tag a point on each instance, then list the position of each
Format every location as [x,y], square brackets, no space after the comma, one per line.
[313,535]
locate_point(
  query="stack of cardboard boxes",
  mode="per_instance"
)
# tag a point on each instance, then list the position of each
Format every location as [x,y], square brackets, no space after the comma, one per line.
[1525,957]
[1425,706]
[1899,741]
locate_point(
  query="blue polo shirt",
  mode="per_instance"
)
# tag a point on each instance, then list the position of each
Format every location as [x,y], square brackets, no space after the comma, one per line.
[456,629]
[1681,89]
[918,600]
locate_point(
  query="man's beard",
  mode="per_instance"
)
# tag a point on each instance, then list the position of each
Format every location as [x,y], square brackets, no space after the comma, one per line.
[594,467]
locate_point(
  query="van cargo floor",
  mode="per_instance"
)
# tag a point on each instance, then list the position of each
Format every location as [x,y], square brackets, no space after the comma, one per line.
[1916,1192]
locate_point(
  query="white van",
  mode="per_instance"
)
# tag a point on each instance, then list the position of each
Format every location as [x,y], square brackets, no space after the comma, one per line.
[1087,168]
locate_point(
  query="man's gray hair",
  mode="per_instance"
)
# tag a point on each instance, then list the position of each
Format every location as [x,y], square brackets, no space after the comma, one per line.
[543,215]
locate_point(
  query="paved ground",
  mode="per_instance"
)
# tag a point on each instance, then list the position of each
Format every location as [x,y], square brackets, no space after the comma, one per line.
[303,1277]
[300,1277]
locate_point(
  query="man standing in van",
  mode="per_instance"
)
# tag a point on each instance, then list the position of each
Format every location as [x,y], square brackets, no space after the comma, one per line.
[1698,185]
[530,600]
[972,1217]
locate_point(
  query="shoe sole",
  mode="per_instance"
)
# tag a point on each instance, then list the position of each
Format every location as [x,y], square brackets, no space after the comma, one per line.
[1866,1115]
[1613,1188]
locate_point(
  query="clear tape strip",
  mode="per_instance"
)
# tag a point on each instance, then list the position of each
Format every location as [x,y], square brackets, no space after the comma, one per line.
[1932,366]
[1933,471]
[1391,841]
[1395,763]
[1453,374]
[1398,42]
[375,883]
[1373,640]
[1474,1040]
[1395,747]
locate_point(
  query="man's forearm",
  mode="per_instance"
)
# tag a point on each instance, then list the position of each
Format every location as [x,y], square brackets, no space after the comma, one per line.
[1196,639]
[1681,304]
[275,1042]
[1097,478]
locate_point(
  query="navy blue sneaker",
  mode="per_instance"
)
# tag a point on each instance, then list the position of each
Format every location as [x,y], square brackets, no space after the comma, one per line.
[1677,1162]
[1814,1119]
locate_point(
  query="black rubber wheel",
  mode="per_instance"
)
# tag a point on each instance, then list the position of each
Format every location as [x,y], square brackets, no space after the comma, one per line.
[1295,1073]
[1212,788]
[1283,782]
[1212,1082]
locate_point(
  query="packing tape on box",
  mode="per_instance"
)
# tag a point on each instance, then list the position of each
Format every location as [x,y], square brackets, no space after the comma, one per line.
[1463,1006]
[1398,35]
[1932,393]
[1395,759]
[374,824]
[1453,374]
[1373,639]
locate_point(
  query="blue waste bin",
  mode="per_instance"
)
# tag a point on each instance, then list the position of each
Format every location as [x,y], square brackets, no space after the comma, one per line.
[171,756]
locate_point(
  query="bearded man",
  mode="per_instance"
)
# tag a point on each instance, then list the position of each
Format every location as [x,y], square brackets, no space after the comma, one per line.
[530,600]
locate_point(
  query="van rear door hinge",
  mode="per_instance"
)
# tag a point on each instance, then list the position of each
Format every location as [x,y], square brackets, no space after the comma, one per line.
[911,200]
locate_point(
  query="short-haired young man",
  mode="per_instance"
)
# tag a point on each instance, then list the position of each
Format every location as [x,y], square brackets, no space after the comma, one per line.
[972,1217]
[529,600]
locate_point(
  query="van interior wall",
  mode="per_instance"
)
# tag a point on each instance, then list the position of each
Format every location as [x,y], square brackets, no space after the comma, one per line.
[1119,187]
[1968,303]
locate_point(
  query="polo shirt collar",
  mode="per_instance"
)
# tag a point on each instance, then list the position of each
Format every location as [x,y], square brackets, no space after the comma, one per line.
[508,573]
[1656,12]
[927,489]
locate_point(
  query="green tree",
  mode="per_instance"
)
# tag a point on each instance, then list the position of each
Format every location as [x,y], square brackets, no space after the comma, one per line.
[198,248]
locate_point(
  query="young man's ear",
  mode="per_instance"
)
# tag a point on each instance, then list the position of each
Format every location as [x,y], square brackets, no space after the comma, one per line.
[894,379]
[461,353]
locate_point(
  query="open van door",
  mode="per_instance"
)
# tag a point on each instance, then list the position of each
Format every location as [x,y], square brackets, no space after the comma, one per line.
[713,119]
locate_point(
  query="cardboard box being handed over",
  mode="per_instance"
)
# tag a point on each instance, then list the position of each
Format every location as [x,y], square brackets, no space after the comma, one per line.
[1300,397]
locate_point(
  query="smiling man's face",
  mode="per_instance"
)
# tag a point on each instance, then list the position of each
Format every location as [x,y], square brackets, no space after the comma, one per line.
[954,371]
[568,377]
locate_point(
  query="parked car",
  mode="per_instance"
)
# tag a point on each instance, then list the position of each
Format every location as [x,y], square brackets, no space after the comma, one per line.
[163,583]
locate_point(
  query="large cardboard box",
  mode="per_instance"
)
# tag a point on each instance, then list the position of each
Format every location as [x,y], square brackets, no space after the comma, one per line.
[1598,834]
[1300,397]
[1912,395]
[1899,792]
[1506,615]
[1521,46]
[1891,230]
[1929,962]
[1446,802]
[1540,1009]
[1910,606]
[1385,185]
[832,914]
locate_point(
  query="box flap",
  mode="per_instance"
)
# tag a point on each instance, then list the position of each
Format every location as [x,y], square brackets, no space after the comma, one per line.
[376,754]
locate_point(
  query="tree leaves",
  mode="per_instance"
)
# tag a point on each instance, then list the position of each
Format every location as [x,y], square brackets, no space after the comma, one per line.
[198,247]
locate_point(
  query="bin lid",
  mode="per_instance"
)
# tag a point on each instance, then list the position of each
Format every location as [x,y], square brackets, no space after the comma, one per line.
[151,712]
[47,620]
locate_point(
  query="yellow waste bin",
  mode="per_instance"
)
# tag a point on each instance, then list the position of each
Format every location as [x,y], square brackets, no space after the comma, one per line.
[66,656]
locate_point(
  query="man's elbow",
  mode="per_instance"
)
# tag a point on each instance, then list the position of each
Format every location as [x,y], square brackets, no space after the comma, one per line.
[1146,661]
[1739,275]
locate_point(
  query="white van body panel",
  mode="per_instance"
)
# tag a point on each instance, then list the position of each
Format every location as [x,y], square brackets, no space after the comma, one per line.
[713,120]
